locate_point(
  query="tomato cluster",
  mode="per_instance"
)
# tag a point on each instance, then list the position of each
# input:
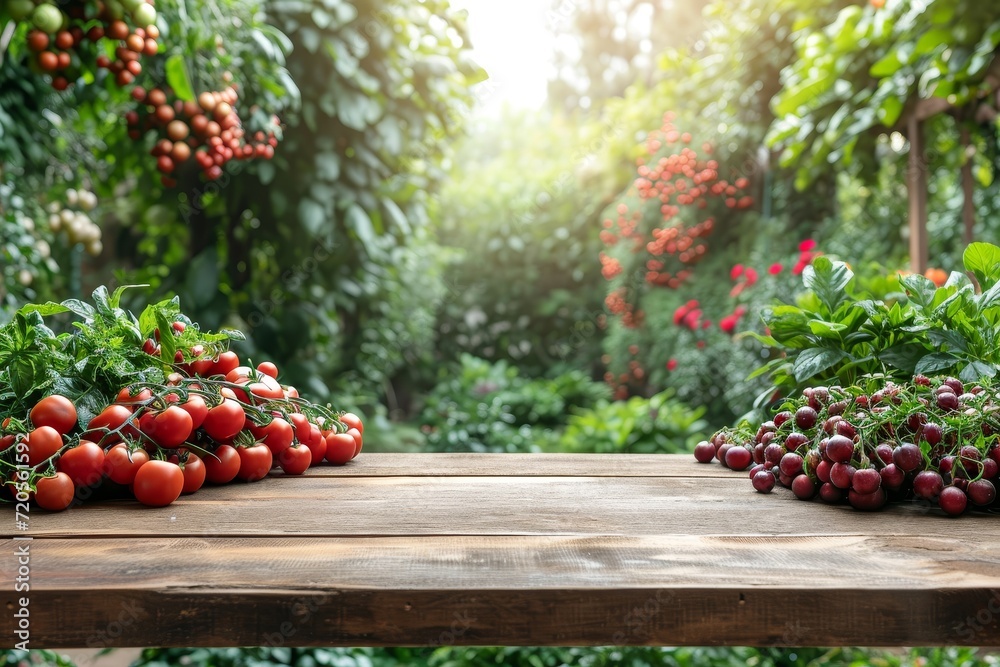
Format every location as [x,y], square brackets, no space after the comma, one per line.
[213,421]
[65,41]
[207,131]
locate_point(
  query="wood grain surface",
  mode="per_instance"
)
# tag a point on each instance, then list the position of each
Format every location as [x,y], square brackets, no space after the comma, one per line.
[496,550]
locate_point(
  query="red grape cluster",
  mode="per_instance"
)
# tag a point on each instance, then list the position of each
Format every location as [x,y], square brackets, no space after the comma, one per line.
[208,131]
[932,441]
[65,40]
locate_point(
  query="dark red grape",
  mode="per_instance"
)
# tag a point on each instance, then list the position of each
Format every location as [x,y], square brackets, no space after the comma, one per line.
[782,417]
[947,401]
[791,464]
[867,502]
[795,440]
[892,477]
[982,492]
[932,433]
[763,481]
[866,481]
[758,453]
[928,485]
[953,500]
[840,449]
[803,487]
[990,469]
[823,471]
[846,429]
[841,475]
[836,408]
[907,457]
[773,454]
[738,458]
[828,493]
[756,469]
[704,452]
[884,452]
[956,385]
[805,418]
[720,453]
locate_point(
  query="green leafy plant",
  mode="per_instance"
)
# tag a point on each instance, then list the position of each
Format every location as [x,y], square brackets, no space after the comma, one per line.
[838,333]
[660,424]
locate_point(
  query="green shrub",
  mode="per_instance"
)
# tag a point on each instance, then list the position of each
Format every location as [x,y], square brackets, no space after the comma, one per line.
[660,424]
[488,407]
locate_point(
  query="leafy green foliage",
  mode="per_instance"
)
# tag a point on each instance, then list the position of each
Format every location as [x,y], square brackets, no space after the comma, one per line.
[656,425]
[838,333]
[856,75]
[486,407]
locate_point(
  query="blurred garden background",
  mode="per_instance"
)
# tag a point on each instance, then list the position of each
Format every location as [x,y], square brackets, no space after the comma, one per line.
[535,225]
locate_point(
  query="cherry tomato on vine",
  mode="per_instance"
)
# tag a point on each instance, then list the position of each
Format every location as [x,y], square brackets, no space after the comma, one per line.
[316,444]
[356,434]
[224,421]
[169,428]
[351,420]
[295,460]
[340,448]
[121,465]
[194,473]
[255,462]
[300,423]
[43,442]
[54,493]
[197,408]
[55,411]
[277,435]
[111,418]
[290,392]
[268,368]
[221,468]
[84,463]
[158,483]
[129,397]
[226,362]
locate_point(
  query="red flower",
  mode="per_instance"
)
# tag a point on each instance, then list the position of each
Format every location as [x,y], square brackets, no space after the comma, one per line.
[736,272]
[751,276]
[775,269]
[807,245]
[728,324]
[799,267]
[672,365]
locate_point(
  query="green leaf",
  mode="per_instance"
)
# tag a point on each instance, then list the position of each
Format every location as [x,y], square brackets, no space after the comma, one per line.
[983,261]
[919,289]
[903,356]
[312,215]
[52,308]
[827,329]
[167,345]
[177,77]
[977,370]
[952,339]
[935,362]
[828,280]
[358,221]
[812,362]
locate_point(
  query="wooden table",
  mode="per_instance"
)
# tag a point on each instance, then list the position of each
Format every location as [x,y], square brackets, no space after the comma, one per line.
[436,549]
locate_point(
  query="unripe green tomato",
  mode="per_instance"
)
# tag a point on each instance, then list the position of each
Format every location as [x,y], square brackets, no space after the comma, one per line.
[47,18]
[144,16]
[132,5]
[20,9]
[114,9]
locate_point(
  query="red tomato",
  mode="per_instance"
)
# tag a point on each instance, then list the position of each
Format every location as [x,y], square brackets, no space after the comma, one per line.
[226,362]
[277,435]
[295,460]
[202,367]
[55,493]
[303,431]
[178,327]
[351,420]
[43,442]
[224,421]
[356,434]
[291,392]
[197,408]
[158,483]
[269,369]
[112,418]
[239,373]
[340,448]
[169,428]
[194,473]
[55,411]
[84,464]
[127,397]
[6,441]
[255,462]
[223,466]
[265,388]
[317,445]
[122,464]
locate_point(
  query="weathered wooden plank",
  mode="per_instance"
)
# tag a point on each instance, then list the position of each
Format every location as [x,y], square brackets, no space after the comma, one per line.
[377,464]
[663,590]
[397,506]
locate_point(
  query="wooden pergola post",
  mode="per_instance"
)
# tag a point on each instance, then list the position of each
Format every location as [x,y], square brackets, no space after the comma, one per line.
[916,185]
